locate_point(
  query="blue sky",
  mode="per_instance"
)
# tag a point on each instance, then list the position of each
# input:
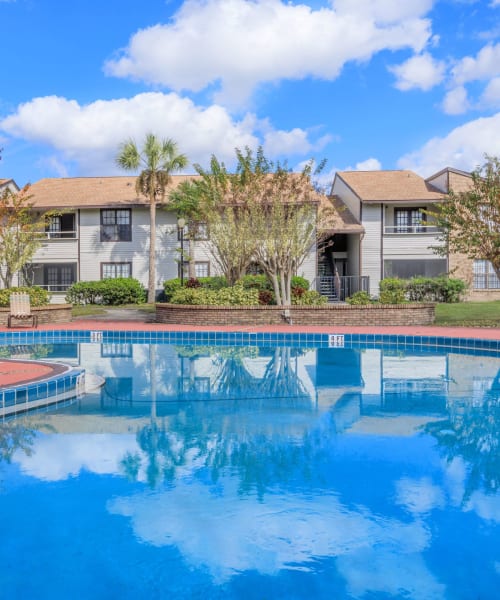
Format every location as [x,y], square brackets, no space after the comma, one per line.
[366,84]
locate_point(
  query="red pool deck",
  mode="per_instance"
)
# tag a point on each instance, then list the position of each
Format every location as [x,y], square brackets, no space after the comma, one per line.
[23,372]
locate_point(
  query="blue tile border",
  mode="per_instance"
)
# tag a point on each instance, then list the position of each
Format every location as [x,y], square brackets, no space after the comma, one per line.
[239,338]
[23,397]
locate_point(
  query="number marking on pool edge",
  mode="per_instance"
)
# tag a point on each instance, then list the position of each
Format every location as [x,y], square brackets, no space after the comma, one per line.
[335,341]
[96,336]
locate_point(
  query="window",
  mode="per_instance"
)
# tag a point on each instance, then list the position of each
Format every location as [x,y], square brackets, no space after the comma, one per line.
[200,232]
[58,278]
[114,270]
[115,349]
[61,226]
[409,220]
[404,269]
[201,269]
[116,225]
[484,277]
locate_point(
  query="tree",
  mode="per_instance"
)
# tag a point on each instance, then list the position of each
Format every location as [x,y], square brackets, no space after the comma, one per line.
[158,159]
[471,220]
[184,200]
[21,232]
[264,213]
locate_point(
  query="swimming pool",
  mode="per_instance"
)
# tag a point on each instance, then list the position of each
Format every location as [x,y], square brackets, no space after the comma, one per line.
[285,468]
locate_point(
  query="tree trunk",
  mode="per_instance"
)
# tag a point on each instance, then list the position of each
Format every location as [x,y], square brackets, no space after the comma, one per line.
[152,249]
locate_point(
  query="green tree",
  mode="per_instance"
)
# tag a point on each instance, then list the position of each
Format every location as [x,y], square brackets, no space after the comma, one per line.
[264,213]
[21,232]
[184,200]
[158,160]
[471,220]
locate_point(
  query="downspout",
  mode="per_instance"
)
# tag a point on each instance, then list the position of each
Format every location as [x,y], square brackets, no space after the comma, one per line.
[382,225]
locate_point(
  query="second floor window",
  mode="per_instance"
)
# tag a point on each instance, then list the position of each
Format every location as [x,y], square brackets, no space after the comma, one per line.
[61,226]
[116,225]
[409,220]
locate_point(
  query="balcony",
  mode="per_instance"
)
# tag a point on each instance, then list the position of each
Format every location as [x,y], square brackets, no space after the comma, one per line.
[59,235]
[412,230]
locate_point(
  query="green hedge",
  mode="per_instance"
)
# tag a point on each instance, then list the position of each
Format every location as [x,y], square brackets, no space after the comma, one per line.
[110,292]
[421,289]
[38,296]
[228,296]
[261,283]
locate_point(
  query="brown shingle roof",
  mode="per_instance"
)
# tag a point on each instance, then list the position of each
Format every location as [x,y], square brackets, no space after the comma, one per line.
[338,220]
[89,192]
[390,186]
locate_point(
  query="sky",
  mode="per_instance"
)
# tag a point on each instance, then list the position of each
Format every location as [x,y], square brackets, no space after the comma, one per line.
[364,84]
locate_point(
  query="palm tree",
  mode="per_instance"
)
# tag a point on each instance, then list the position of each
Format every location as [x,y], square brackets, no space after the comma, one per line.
[158,159]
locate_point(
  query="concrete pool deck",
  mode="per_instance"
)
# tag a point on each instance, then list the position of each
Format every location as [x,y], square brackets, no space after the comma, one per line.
[14,372]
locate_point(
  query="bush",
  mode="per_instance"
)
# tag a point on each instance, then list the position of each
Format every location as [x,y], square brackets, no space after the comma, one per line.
[193,282]
[110,292]
[300,282]
[170,286]
[392,291]
[421,289]
[435,289]
[38,296]
[309,298]
[228,296]
[359,299]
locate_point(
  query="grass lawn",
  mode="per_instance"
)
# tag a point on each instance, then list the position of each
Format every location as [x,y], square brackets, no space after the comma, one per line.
[469,314]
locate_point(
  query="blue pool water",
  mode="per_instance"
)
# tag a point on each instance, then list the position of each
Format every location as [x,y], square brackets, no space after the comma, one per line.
[236,471]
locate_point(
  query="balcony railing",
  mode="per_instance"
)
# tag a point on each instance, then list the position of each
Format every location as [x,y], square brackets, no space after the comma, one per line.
[412,229]
[59,235]
[337,288]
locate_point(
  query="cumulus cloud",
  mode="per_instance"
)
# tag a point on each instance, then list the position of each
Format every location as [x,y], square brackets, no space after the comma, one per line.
[90,134]
[191,52]
[463,148]
[491,94]
[456,101]
[418,72]
[484,65]
[370,164]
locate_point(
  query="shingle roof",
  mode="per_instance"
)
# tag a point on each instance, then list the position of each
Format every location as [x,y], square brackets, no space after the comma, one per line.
[390,186]
[338,220]
[88,192]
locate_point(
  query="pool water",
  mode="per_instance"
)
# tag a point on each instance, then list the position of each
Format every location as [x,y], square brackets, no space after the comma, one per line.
[257,472]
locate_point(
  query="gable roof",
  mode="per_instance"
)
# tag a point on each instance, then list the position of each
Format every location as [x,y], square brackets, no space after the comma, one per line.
[91,192]
[8,183]
[389,186]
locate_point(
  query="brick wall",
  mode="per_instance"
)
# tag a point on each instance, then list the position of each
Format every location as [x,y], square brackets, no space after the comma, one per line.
[342,314]
[53,313]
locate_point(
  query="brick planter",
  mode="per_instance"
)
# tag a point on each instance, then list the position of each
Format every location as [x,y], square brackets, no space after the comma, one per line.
[332,314]
[52,313]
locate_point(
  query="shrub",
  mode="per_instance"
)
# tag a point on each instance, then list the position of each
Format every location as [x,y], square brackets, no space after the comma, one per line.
[193,282]
[301,282]
[266,297]
[228,296]
[309,298]
[392,291]
[111,292]
[210,283]
[38,296]
[435,289]
[359,299]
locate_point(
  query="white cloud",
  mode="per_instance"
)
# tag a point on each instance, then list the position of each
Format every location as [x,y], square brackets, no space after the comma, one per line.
[370,164]
[491,94]
[456,102]
[463,148]
[418,72]
[90,134]
[484,65]
[237,44]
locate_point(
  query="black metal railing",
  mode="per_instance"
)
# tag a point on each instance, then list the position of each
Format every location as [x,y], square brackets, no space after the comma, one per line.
[337,288]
